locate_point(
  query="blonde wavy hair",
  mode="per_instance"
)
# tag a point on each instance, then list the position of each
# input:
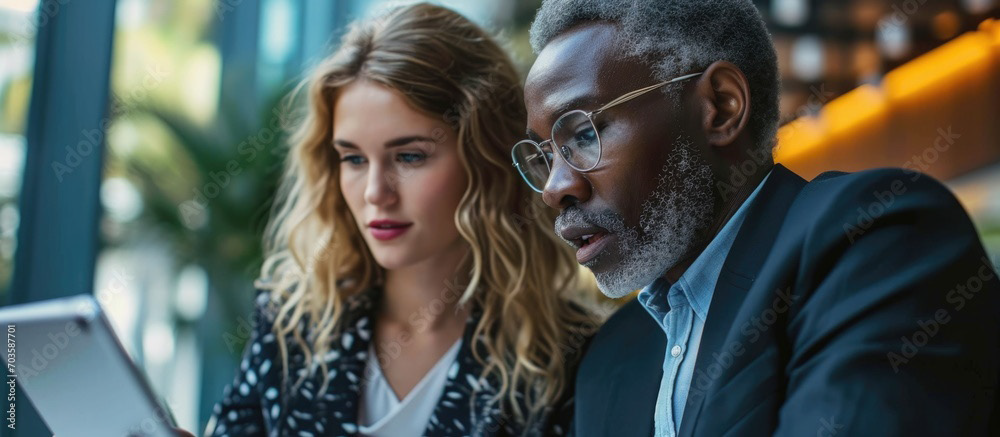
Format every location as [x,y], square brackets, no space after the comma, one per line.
[520,274]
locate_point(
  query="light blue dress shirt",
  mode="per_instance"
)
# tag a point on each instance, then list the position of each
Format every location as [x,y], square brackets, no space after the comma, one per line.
[681,310]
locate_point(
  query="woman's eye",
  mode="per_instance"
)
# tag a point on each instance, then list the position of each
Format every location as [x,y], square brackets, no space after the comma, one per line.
[353,160]
[411,158]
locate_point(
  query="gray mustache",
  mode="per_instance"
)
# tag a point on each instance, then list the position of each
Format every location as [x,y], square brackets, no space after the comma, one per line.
[574,216]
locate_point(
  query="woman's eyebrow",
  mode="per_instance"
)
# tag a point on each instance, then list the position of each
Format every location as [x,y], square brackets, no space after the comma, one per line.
[345,144]
[402,141]
[397,142]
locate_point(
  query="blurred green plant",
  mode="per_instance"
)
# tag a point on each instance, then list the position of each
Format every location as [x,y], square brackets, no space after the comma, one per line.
[207,190]
[209,194]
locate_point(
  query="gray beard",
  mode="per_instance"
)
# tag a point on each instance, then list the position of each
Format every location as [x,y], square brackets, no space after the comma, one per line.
[672,221]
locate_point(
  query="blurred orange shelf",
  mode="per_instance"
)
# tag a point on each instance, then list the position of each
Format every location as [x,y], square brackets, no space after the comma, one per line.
[939,114]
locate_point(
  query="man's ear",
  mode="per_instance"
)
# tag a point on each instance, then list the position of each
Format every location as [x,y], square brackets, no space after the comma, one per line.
[723,93]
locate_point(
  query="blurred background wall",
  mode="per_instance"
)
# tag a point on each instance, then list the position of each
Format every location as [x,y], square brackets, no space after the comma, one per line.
[139,142]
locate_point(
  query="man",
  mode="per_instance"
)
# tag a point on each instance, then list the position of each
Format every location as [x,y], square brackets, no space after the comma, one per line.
[854,304]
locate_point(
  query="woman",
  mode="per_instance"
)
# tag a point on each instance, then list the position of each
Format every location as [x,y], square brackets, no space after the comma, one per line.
[411,286]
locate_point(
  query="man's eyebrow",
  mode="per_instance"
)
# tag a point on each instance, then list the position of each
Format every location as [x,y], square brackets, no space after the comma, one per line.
[583,102]
[586,102]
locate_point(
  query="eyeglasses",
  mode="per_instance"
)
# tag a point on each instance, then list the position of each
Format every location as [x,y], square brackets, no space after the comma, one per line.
[576,138]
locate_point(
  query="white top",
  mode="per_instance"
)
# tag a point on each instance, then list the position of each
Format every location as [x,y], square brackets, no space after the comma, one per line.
[381,413]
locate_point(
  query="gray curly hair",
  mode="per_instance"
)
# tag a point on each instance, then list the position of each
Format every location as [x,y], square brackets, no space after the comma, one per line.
[681,36]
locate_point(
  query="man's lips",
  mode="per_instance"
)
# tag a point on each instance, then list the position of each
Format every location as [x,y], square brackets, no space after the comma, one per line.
[579,236]
[385,230]
[591,246]
[589,241]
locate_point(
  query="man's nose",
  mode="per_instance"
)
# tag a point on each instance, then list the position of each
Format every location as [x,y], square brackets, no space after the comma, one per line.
[565,186]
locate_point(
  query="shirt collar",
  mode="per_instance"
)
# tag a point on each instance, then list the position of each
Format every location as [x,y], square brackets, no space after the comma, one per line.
[697,284]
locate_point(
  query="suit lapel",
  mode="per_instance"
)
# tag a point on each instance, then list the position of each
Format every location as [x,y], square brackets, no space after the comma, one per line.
[753,242]
[619,375]
[636,382]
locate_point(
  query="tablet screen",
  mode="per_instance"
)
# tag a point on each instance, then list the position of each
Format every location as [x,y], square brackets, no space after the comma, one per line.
[71,366]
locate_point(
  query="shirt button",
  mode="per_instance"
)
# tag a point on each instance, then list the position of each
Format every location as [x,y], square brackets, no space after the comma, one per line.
[675,351]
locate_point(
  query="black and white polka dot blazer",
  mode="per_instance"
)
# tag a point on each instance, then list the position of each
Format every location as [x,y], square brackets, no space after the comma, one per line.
[259,403]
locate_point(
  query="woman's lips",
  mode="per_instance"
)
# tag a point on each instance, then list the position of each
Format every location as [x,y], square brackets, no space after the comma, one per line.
[385,230]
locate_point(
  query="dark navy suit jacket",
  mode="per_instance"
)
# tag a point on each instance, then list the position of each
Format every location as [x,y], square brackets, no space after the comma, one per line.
[854,304]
